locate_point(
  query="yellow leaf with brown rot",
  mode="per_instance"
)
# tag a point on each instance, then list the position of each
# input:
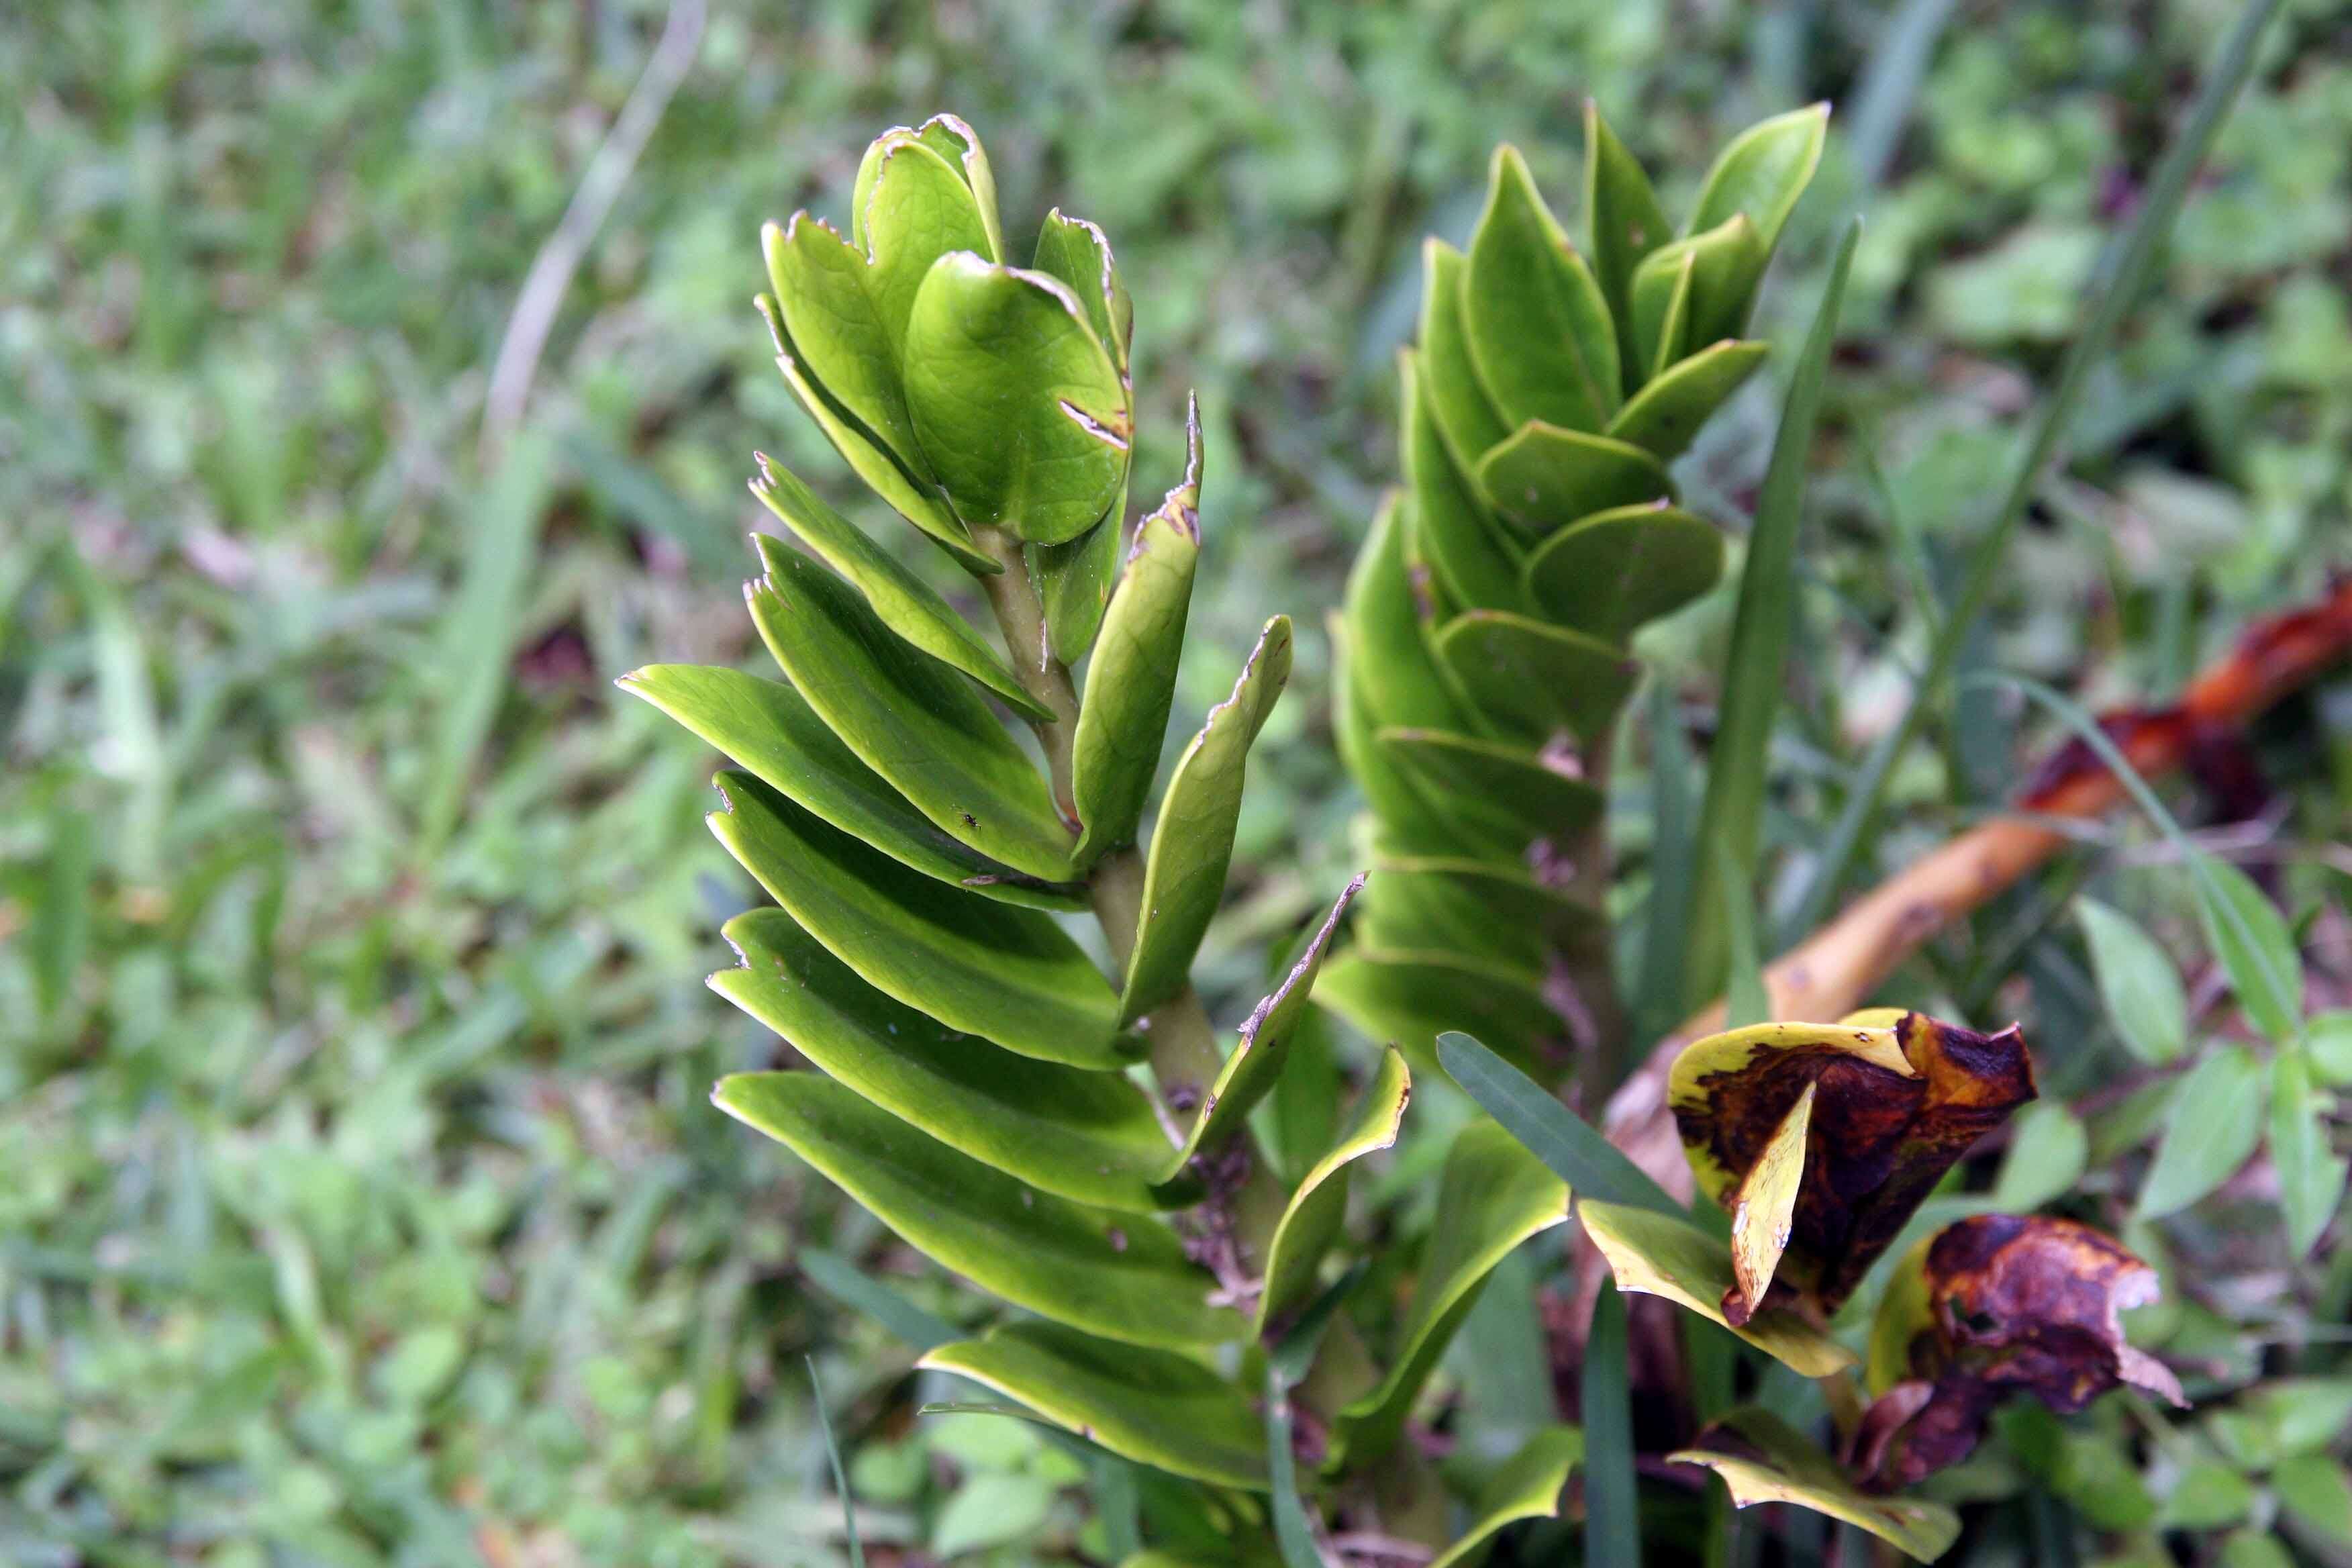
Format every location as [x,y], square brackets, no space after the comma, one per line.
[1896,1105]
[1762,1209]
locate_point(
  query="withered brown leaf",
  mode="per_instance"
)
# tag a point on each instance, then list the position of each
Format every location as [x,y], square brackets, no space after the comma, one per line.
[1896,1105]
[1993,1306]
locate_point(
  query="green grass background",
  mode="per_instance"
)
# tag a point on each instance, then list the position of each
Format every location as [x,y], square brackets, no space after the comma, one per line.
[360,1202]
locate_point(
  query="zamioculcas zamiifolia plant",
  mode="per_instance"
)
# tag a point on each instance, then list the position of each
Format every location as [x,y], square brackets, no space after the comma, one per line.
[1485,639]
[1072,1142]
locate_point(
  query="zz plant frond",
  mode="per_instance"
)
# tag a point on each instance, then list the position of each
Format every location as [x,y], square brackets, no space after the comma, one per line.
[1483,641]
[1074,1143]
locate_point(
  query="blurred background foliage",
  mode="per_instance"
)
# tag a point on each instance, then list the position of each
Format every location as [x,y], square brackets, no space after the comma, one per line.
[360,1202]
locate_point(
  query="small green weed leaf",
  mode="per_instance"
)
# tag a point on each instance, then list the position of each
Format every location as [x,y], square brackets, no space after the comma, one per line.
[2250,936]
[1116,1275]
[990,1510]
[1664,417]
[2207,1495]
[2327,1040]
[2310,1172]
[900,600]
[1250,1071]
[917,208]
[2211,1129]
[1618,570]
[1076,252]
[2254,1547]
[1762,1458]
[1544,478]
[2138,984]
[1007,974]
[1493,1196]
[1763,172]
[917,500]
[2048,1152]
[1092,1136]
[1193,841]
[1531,1484]
[1019,408]
[768,728]
[1466,417]
[2317,1493]
[1294,1534]
[908,718]
[1624,224]
[1573,1149]
[1536,678]
[1130,685]
[1411,996]
[1155,1407]
[823,286]
[2306,1414]
[1538,325]
[840,1476]
[1612,1503]
[1459,538]
[1653,1253]
[1311,1219]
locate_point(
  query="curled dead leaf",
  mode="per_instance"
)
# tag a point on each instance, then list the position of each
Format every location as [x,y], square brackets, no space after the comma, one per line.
[1896,1100]
[1993,1306]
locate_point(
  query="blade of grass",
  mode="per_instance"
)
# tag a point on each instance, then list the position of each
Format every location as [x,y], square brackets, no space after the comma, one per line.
[840,1476]
[2118,284]
[1889,84]
[477,641]
[1612,1513]
[1745,1000]
[1755,664]
[1118,1505]
[1658,993]
[1578,1155]
[841,1279]
[1292,1531]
